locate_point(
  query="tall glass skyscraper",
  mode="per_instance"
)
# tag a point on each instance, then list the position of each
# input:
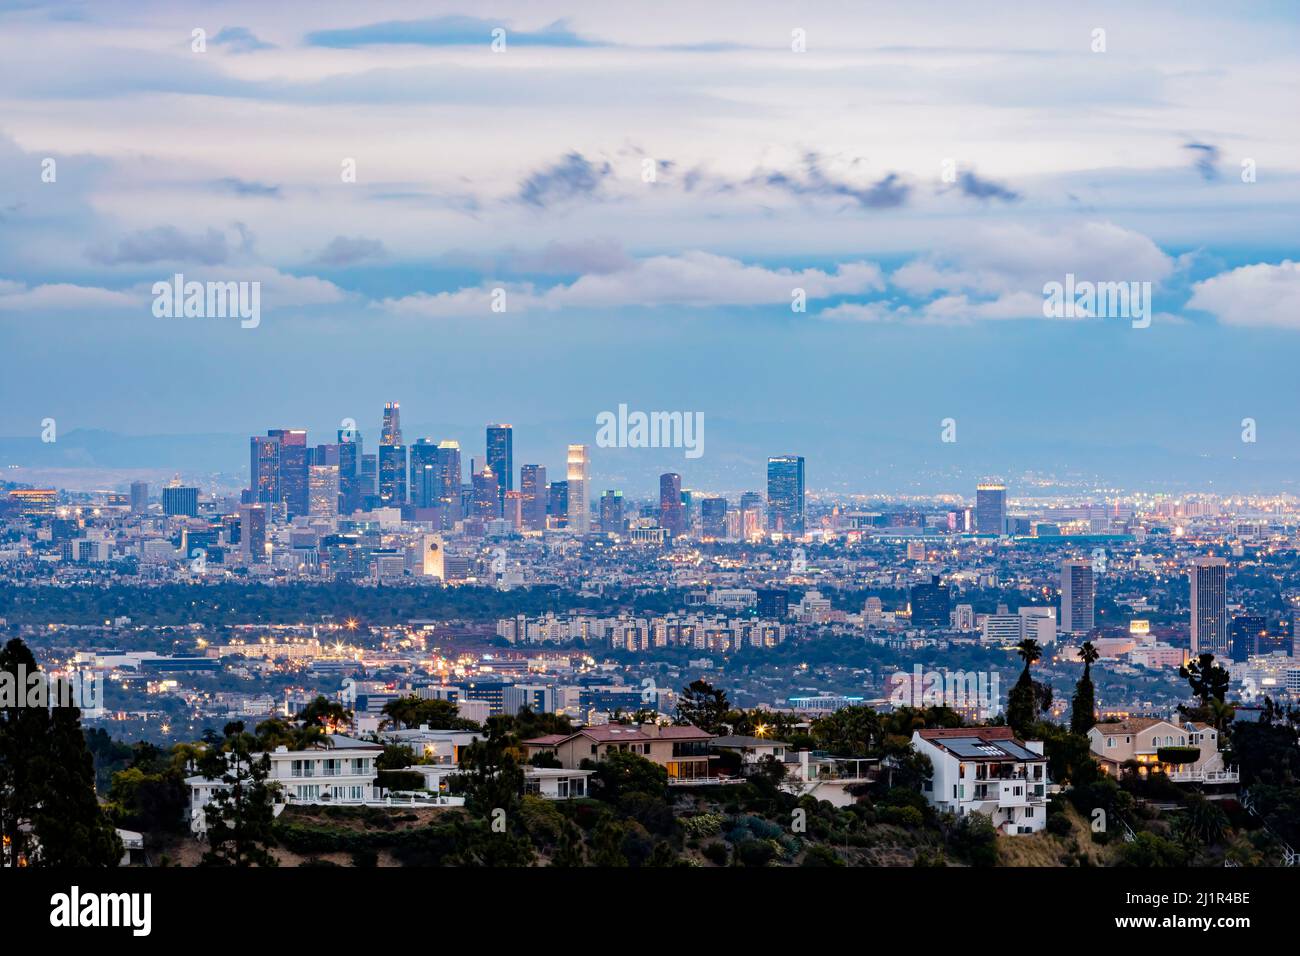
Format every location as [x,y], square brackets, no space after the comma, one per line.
[785,504]
[392,475]
[672,516]
[990,508]
[1077,597]
[579,508]
[350,486]
[1209,588]
[391,433]
[532,482]
[500,457]
[293,468]
[264,469]
[426,474]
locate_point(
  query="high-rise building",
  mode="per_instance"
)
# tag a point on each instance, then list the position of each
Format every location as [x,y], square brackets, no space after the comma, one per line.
[426,474]
[785,494]
[391,432]
[579,509]
[293,468]
[350,483]
[501,457]
[139,497]
[369,479]
[1208,577]
[264,469]
[930,604]
[672,516]
[532,483]
[1078,595]
[487,501]
[323,494]
[713,518]
[392,475]
[990,508]
[180,501]
[611,512]
[252,533]
[557,504]
[751,514]
[513,510]
[1245,636]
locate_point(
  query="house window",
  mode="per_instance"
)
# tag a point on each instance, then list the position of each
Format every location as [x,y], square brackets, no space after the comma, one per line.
[1029,812]
[1110,742]
[593,748]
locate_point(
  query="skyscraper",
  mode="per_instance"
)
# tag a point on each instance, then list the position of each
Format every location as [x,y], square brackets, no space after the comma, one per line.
[532,482]
[392,475]
[579,509]
[180,501]
[672,516]
[500,456]
[611,512]
[785,494]
[1078,591]
[713,518]
[930,604]
[252,533]
[391,433]
[323,494]
[293,468]
[1245,634]
[751,514]
[264,469]
[426,474]
[1208,577]
[139,497]
[449,465]
[350,484]
[990,508]
[557,504]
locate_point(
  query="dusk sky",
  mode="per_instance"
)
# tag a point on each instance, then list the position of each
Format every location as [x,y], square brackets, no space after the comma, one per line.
[773,169]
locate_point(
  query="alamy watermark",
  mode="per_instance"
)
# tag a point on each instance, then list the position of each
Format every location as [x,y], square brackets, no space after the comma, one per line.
[624,429]
[179,299]
[975,692]
[18,688]
[1073,299]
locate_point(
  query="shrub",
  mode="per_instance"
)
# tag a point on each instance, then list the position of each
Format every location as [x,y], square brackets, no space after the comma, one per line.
[716,852]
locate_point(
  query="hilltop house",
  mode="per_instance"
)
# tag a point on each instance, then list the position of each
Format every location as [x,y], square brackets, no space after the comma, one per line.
[1187,754]
[683,751]
[986,770]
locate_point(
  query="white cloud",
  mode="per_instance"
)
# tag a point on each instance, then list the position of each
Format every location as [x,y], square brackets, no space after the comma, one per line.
[1262,295]
[61,296]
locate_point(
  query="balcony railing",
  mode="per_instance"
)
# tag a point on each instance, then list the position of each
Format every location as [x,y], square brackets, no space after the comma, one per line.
[1205,776]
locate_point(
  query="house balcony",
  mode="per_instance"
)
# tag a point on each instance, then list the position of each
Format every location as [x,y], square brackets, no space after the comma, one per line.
[1205,776]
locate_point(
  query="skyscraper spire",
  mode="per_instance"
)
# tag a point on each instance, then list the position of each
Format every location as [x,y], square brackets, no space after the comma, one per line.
[392,430]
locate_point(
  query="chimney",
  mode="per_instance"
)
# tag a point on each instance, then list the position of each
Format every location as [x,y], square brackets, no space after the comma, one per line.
[650,730]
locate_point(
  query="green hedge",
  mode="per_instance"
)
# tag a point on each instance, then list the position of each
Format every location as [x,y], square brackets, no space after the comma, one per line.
[1178,755]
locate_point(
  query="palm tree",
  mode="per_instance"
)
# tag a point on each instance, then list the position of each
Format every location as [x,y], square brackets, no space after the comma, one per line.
[1083,713]
[1022,702]
[1030,652]
[1088,654]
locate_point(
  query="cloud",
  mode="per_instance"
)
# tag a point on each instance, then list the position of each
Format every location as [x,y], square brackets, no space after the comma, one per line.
[1263,294]
[573,177]
[813,180]
[61,296]
[976,187]
[168,244]
[447,31]
[240,40]
[346,251]
[598,256]
[243,187]
[1205,159]
[690,280]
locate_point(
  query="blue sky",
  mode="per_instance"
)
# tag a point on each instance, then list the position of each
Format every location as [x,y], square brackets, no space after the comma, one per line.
[919,173]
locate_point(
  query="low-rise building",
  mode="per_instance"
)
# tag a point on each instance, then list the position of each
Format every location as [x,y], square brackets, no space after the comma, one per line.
[683,751]
[986,770]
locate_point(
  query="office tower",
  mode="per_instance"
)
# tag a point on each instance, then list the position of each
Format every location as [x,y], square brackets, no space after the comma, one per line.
[611,512]
[264,469]
[579,509]
[391,432]
[785,506]
[557,504]
[990,508]
[713,518]
[323,495]
[293,468]
[392,475]
[322,455]
[252,533]
[350,483]
[180,501]
[501,457]
[426,474]
[139,497]
[672,517]
[1246,634]
[449,466]
[930,606]
[1078,592]
[487,501]
[513,509]
[751,514]
[773,603]
[369,479]
[434,557]
[1209,587]
[532,483]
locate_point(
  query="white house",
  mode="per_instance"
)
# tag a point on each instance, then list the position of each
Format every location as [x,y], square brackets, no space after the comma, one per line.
[553,783]
[986,770]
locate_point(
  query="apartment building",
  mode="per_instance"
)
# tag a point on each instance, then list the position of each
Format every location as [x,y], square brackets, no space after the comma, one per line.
[986,770]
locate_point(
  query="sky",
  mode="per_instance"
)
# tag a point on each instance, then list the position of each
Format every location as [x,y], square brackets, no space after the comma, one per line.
[648,186]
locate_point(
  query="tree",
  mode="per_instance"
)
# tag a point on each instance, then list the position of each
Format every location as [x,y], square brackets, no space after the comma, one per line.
[325,713]
[703,706]
[1083,713]
[70,825]
[240,816]
[623,772]
[1206,678]
[849,732]
[24,757]
[1024,701]
[413,712]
